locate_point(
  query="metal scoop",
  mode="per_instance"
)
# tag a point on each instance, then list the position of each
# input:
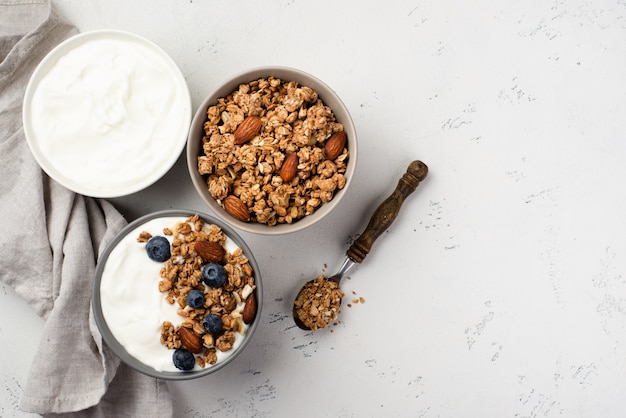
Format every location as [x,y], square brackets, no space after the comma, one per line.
[380,221]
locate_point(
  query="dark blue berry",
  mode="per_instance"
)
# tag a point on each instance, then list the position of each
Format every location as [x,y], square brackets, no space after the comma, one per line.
[183,359]
[213,275]
[195,299]
[158,248]
[212,323]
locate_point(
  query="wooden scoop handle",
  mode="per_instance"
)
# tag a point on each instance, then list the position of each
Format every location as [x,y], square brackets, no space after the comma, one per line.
[387,211]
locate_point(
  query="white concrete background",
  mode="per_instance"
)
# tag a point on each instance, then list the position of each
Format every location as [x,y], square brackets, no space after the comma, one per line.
[500,291]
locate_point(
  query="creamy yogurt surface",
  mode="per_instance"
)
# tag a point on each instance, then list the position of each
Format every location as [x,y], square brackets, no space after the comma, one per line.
[132,305]
[107,114]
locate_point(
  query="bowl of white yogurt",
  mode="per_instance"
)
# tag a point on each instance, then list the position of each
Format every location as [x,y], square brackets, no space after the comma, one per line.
[106,113]
[172,308]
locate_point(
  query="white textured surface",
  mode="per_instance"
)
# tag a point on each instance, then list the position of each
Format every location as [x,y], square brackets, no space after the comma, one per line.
[500,290]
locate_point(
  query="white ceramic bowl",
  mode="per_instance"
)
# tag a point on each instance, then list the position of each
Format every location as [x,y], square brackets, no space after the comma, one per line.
[122,327]
[106,113]
[196,133]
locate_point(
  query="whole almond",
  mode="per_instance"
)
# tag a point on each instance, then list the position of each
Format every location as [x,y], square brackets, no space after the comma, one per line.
[209,251]
[247,129]
[190,340]
[236,208]
[334,145]
[249,309]
[289,169]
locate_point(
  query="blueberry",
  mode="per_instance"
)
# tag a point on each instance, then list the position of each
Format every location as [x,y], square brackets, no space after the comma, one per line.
[212,323]
[158,248]
[183,359]
[195,299]
[213,275]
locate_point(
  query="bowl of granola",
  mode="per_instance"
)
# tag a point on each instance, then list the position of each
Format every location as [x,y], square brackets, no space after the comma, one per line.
[272,150]
[177,294]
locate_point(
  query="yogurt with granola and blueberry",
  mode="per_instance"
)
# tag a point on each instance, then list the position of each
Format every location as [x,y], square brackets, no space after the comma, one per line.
[170,302]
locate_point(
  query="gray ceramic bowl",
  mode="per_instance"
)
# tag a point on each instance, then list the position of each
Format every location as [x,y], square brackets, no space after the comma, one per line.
[119,349]
[196,133]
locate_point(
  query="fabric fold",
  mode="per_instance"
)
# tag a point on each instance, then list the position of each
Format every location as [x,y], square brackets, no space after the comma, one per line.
[52,238]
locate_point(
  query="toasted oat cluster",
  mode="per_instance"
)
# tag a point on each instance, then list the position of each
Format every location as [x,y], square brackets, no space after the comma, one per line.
[319,302]
[292,120]
[182,273]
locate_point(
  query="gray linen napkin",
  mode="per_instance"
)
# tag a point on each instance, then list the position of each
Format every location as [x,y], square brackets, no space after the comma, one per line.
[50,241]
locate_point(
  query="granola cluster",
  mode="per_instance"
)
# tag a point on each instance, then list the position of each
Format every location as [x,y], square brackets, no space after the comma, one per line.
[319,302]
[182,273]
[294,120]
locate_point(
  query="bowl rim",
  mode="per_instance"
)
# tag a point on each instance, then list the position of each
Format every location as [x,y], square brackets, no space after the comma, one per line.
[50,60]
[227,86]
[110,339]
